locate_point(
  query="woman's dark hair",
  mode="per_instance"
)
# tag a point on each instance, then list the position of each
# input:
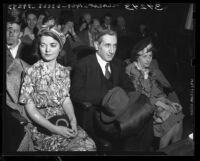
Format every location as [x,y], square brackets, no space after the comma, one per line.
[32,11]
[140,46]
[48,34]
[48,18]
[43,12]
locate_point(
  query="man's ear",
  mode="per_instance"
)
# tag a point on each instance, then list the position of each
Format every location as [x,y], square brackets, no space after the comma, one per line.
[20,34]
[96,45]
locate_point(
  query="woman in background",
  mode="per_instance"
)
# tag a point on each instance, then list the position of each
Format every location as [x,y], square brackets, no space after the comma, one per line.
[31,30]
[41,17]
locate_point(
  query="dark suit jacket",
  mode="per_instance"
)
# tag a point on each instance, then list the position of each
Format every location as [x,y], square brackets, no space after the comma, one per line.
[88,80]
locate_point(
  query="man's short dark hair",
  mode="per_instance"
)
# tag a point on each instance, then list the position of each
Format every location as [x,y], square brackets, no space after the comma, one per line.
[104,32]
[16,20]
[48,18]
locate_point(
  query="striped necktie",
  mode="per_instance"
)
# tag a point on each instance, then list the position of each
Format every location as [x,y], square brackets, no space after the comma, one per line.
[107,72]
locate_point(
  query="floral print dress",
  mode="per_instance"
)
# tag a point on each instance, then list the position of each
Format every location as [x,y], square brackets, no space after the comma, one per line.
[48,94]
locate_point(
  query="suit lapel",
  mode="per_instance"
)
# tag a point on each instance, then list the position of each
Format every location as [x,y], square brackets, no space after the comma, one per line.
[97,66]
[19,50]
[9,57]
[97,69]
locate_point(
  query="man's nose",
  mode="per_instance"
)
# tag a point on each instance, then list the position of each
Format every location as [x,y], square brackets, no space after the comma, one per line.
[112,49]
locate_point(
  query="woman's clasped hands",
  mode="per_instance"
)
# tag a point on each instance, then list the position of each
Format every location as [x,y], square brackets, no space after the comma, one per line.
[66,131]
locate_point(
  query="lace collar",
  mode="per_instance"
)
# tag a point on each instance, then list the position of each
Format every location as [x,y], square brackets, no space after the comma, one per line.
[145,71]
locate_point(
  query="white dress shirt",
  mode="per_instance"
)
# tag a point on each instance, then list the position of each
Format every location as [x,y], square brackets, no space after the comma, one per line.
[102,64]
[14,50]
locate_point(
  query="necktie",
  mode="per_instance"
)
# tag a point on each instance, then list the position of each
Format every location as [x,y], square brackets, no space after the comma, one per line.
[107,73]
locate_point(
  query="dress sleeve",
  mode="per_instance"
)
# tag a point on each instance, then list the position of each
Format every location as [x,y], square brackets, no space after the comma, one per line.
[27,88]
[66,84]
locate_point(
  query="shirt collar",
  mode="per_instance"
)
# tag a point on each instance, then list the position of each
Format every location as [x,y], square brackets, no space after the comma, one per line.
[12,48]
[101,61]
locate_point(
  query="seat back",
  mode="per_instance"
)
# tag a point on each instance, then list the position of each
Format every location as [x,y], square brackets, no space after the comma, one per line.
[86,119]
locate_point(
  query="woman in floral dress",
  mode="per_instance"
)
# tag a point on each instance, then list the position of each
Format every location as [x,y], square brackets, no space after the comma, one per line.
[149,80]
[45,93]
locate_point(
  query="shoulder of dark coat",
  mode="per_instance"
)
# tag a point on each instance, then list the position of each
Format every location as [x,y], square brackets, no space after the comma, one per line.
[119,62]
[87,60]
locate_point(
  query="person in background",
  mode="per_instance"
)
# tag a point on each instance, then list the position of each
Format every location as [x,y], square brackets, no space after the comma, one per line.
[88,36]
[120,26]
[68,30]
[149,80]
[50,20]
[31,30]
[67,57]
[45,95]
[16,48]
[41,18]
[13,35]
[85,21]
[107,22]
[17,12]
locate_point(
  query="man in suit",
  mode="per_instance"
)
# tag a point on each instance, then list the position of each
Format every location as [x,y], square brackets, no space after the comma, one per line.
[15,47]
[15,67]
[96,74]
[107,22]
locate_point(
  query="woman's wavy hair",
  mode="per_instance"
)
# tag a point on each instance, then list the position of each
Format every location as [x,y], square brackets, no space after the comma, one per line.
[51,31]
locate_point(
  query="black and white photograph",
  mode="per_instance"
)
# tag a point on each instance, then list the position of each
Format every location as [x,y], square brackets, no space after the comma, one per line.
[98,79]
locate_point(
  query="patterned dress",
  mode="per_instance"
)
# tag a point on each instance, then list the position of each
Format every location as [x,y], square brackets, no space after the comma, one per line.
[152,83]
[48,94]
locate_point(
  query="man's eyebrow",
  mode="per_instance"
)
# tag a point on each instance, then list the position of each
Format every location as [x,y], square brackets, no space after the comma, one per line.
[10,27]
[151,49]
[110,43]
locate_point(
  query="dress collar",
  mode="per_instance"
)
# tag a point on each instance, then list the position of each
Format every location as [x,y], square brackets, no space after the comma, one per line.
[145,71]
